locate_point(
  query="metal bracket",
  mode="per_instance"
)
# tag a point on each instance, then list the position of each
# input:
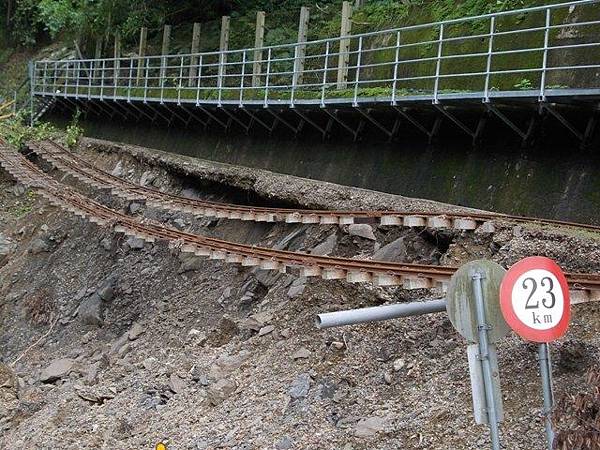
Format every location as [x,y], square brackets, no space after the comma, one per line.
[233,117]
[324,131]
[256,119]
[563,120]
[213,117]
[295,129]
[365,114]
[334,116]
[455,120]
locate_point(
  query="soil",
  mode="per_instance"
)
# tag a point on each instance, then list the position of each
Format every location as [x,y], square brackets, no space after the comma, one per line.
[107,345]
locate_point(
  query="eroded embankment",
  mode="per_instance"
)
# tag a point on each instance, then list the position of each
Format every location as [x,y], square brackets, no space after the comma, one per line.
[142,343]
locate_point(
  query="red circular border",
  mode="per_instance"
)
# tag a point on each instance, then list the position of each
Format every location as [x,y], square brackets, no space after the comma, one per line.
[506,287]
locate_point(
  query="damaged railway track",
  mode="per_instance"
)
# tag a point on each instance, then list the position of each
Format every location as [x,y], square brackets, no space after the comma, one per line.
[77,167]
[585,287]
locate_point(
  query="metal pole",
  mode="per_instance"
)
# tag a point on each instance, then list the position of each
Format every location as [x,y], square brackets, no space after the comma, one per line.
[545,56]
[483,328]
[199,80]
[377,313]
[546,374]
[325,64]
[242,75]
[438,66]
[180,82]
[266,104]
[489,59]
[357,76]
[397,58]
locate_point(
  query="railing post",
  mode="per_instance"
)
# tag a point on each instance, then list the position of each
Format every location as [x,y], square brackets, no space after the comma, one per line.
[66,78]
[300,53]
[141,54]
[266,104]
[344,56]
[147,64]
[488,68]
[31,75]
[325,67]
[294,77]
[545,56]
[242,75]
[259,42]
[77,79]
[180,82]
[396,61]
[199,80]
[164,53]
[44,82]
[357,76]
[223,47]
[130,80]
[438,66]
[102,80]
[195,48]
[92,76]
[117,60]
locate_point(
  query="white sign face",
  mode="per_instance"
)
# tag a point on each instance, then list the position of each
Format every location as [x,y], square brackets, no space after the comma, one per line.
[538,300]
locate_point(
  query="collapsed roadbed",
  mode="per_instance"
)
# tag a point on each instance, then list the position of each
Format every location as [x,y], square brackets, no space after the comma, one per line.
[111,341]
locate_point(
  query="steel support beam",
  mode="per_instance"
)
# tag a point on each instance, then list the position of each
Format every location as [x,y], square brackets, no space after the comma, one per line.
[378,124]
[334,116]
[278,118]
[175,114]
[142,112]
[213,117]
[589,130]
[563,120]
[492,109]
[234,118]
[259,121]
[324,131]
[455,120]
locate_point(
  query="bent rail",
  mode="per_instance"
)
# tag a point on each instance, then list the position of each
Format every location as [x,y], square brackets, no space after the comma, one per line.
[535,52]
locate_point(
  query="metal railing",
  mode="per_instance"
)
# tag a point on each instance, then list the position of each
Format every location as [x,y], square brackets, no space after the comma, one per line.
[526,52]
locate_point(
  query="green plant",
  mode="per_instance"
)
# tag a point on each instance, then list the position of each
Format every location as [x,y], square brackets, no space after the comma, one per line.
[73,131]
[524,84]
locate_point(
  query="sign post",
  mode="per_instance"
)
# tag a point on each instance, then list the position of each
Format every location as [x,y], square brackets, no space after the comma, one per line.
[534,298]
[473,309]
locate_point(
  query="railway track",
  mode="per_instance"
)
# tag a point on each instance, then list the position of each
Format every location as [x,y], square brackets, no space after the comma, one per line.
[585,287]
[69,163]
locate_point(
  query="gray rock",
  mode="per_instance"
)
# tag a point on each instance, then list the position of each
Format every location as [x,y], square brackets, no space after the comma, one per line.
[287,240]
[7,246]
[90,310]
[147,178]
[135,332]
[300,386]
[362,230]
[325,247]
[189,193]
[394,251]
[19,189]
[118,170]
[369,427]
[107,243]
[189,263]
[297,287]
[176,384]
[284,444]
[38,246]
[135,243]
[226,364]
[135,207]
[301,354]
[220,391]
[266,330]
[56,370]
[106,291]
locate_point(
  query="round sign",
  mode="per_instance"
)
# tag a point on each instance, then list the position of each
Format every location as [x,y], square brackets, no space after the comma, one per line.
[534,298]
[461,300]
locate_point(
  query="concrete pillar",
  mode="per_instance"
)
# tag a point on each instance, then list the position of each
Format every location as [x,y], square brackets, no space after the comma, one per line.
[142,53]
[195,49]
[301,52]
[344,57]
[223,47]
[117,56]
[259,42]
[165,50]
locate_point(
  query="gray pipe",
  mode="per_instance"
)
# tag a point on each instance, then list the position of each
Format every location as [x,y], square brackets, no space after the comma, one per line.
[376,313]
